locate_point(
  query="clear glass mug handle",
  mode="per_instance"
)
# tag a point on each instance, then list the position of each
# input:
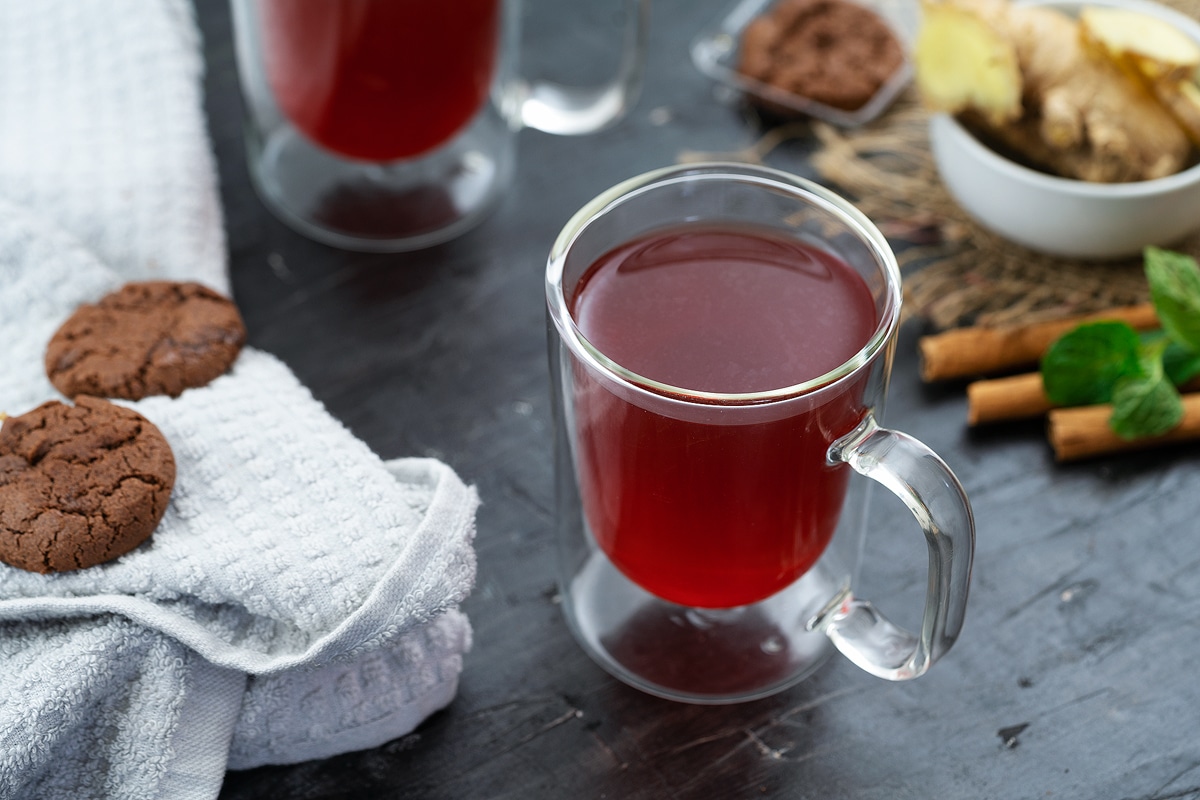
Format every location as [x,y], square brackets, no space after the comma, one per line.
[571,110]
[920,478]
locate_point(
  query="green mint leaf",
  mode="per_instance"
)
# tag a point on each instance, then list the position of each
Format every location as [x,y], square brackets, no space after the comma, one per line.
[1180,364]
[1146,403]
[1145,406]
[1175,289]
[1084,365]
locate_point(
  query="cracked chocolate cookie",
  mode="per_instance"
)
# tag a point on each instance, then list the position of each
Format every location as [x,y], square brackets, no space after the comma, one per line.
[80,485]
[148,338]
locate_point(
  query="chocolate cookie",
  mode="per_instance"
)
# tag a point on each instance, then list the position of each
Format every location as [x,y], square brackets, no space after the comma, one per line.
[80,485]
[156,337]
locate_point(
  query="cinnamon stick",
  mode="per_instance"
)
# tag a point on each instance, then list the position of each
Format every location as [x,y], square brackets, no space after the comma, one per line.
[1083,432]
[1017,397]
[964,352]
[1003,399]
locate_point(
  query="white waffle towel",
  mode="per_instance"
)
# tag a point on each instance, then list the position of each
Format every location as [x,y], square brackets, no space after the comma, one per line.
[300,597]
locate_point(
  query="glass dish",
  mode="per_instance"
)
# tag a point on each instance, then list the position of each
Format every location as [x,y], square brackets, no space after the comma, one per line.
[715,51]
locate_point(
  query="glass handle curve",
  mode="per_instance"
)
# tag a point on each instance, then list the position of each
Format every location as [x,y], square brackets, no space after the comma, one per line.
[920,478]
[570,110]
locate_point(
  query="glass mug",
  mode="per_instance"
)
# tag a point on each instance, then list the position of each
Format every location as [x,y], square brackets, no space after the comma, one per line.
[388,125]
[721,337]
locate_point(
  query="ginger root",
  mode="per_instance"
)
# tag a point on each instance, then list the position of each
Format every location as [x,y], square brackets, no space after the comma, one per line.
[962,62]
[1154,53]
[1147,46]
[1183,101]
[1079,116]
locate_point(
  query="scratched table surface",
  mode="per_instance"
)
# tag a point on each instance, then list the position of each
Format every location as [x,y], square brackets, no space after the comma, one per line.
[1075,676]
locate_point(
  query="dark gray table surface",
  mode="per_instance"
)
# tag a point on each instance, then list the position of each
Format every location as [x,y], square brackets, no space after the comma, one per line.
[1075,673]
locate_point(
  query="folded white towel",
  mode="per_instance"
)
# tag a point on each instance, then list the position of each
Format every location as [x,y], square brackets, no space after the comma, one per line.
[300,597]
[102,132]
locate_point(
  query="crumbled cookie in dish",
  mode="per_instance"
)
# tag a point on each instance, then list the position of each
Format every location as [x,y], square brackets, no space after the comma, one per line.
[832,51]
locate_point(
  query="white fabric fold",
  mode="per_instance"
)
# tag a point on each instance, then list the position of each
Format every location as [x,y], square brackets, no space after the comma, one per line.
[300,597]
[102,132]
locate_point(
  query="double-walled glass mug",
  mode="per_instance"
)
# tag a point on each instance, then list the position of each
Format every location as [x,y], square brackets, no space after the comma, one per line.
[721,337]
[388,125]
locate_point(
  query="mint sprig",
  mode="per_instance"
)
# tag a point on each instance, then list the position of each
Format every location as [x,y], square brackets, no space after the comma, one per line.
[1109,362]
[1084,365]
[1175,291]
[1180,363]
[1146,403]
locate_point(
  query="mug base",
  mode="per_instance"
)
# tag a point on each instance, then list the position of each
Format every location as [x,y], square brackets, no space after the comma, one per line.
[698,655]
[378,207]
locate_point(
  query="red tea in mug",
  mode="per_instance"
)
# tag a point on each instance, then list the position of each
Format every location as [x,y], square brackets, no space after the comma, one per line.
[380,80]
[712,515]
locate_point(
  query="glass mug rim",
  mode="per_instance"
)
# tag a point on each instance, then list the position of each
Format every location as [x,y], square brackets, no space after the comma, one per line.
[763,177]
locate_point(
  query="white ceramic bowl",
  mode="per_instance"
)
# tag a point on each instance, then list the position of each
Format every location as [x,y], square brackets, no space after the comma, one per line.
[1060,216]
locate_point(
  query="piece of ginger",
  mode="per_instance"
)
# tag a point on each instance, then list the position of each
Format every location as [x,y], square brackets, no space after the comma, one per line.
[1182,99]
[1154,52]
[1148,46]
[1081,116]
[961,62]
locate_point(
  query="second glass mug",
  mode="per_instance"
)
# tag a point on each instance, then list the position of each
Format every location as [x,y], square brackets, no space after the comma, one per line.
[388,125]
[710,540]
